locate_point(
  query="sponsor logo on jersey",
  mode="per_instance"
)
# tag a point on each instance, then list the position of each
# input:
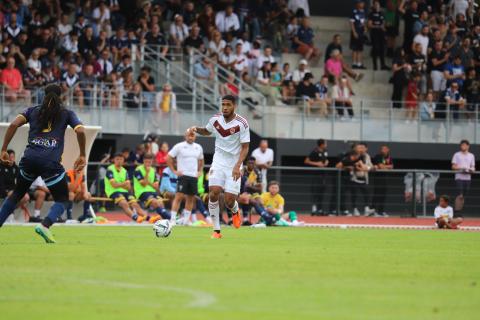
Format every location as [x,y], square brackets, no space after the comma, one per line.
[44,142]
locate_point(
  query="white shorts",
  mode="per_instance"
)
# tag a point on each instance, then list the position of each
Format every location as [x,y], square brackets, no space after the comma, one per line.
[438,80]
[221,176]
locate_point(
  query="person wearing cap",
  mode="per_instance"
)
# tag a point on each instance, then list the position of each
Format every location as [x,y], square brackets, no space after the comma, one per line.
[299,73]
[303,41]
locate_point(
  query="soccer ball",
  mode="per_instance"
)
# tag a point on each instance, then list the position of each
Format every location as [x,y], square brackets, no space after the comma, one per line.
[162,228]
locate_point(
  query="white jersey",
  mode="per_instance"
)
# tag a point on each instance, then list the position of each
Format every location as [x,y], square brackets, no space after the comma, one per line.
[443,212]
[187,155]
[228,138]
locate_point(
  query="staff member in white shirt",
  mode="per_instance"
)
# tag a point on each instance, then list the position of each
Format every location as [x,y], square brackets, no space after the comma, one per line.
[263,159]
[189,167]
[444,218]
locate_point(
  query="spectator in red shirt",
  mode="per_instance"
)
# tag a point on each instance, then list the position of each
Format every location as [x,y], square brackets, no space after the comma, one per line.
[11,79]
[161,157]
[412,98]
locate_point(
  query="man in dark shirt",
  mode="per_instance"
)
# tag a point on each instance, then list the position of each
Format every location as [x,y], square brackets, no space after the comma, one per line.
[318,158]
[303,42]
[419,66]
[438,59]
[348,165]
[382,161]
[336,44]
[156,38]
[308,93]
[410,15]
[376,24]
[194,40]
[8,180]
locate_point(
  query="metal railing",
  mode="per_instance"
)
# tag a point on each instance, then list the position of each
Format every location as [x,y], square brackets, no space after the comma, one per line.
[331,190]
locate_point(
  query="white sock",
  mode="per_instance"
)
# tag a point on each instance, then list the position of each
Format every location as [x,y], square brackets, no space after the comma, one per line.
[186,216]
[234,209]
[215,214]
[36,213]
[194,217]
[173,215]
[209,220]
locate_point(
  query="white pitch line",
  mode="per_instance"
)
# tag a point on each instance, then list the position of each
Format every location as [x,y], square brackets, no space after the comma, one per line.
[199,299]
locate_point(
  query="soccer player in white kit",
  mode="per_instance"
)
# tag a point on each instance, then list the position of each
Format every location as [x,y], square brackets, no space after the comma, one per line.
[232,139]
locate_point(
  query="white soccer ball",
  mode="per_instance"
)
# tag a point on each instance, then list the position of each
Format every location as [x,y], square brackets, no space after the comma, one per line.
[162,228]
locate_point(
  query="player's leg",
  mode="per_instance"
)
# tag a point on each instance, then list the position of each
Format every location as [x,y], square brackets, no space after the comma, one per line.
[157,205]
[136,208]
[244,202]
[71,198]
[266,217]
[120,200]
[190,189]
[58,187]
[232,189]
[453,223]
[10,203]
[200,207]
[40,197]
[216,184]
[177,200]
[189,202]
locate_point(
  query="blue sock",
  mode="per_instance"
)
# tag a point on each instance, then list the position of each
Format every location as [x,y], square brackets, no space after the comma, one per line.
[135,217]
[69,210]
[7,209]
[86,208]
[56,212]
[245,210]
[259,208]
[164,213]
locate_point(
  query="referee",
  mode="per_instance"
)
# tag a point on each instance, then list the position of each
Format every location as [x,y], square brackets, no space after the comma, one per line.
[189,156]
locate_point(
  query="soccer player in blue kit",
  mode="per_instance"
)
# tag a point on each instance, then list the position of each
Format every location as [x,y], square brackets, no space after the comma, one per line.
[42,156]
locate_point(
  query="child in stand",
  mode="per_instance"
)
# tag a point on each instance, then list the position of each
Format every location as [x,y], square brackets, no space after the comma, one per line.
[411,103]
[444,218]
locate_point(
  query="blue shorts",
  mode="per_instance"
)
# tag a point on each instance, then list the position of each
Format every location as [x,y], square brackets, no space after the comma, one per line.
[51,172]
[119,196]
[147,197]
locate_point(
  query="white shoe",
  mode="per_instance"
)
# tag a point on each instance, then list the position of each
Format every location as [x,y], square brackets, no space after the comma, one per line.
[259,225]
[297,223]
[368,212]
[173,222]
[356,213]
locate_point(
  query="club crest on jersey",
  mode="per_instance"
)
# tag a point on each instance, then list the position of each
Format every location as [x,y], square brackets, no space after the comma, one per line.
[232,130]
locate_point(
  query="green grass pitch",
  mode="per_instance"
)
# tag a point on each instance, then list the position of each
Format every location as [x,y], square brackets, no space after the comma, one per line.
[291,273]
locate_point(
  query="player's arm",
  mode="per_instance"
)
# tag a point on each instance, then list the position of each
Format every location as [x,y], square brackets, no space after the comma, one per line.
[309,162]
[199,130]
[141,179]
[19,121]
[243,155]
[81,161]
[201,163]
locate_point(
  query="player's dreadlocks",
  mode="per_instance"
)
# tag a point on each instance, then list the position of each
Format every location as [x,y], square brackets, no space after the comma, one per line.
[51,107]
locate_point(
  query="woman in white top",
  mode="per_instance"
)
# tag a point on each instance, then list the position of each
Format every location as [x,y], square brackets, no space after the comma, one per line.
[217,44]
[34,63]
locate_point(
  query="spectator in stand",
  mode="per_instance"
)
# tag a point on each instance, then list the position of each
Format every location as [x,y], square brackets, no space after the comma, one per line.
[71,83]
[217,44]
[125,64]
[324,100]
[194,40]
[382,161]
[299,73]
[428,107]
[292,30]
[472,92]
[86,43]
[87,83]
[334,69]
[463,162]
[401,70]
[309,96]
[11,79]
[438,60]
[155,37]
[203,70]
[289,93]
[166,100]
[118,43]
[178,32]
[263,159]
[227,58]
[455,72]
[227,21]
[70,43]
[423,39]
[341,96]
[134,98]
[34,63]
[376,24]
[148,85]
[303,42]
[189,15]
[392,25]
[241,61]
[318,158]
[12,29]
[105,64]
[229,87]
[418,61]
[287,75]
[412,98]
[466,54]
[421,22]
[357,35]
[336,44]
[454,100]
[410,15]
[206,21]
[264,84]
[266,56]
